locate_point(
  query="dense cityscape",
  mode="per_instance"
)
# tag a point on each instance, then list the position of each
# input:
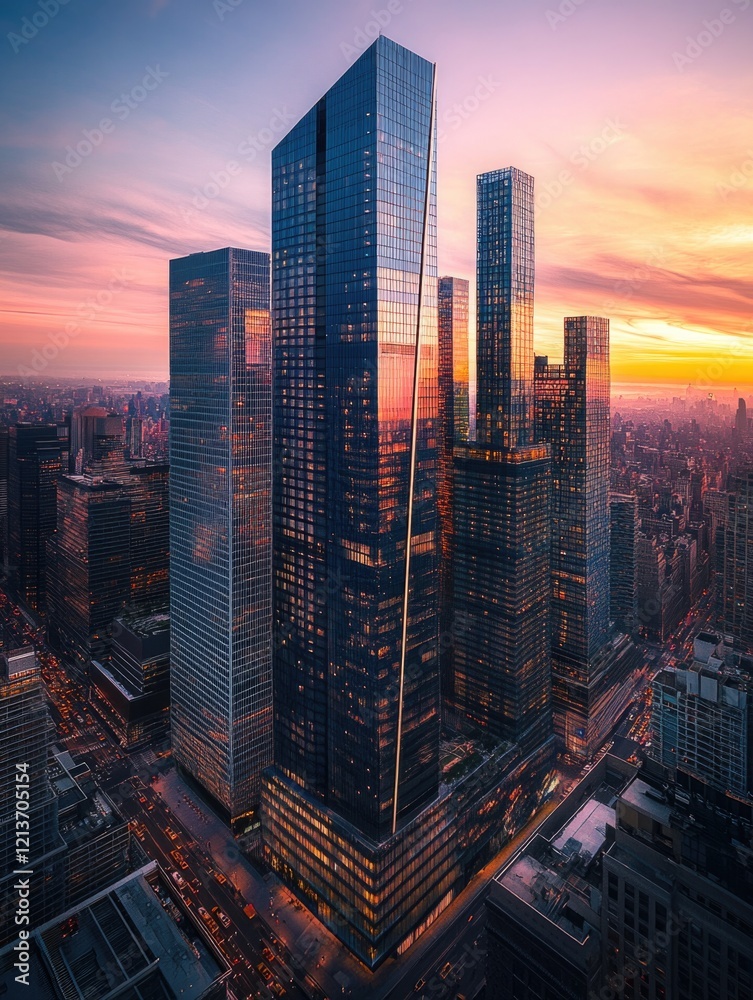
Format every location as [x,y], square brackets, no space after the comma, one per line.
[371,653]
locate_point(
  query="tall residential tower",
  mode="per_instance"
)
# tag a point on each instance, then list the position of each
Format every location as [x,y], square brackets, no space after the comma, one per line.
[624,526]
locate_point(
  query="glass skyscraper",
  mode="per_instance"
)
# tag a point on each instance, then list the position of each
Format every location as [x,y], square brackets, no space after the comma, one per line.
[505,288]
[220,522]
[454,422]
[734,546]
[355,443]
[624,527]
[573,417]
[501,672]
[453,358]
[356,446]
[501,664]
[88,568]
[109,552]
[573,406]
[37,457]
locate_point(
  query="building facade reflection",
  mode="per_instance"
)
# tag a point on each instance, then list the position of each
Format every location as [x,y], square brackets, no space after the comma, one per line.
[220,520]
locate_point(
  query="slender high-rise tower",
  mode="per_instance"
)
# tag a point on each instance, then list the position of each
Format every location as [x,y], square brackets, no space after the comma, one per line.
[505,288]
[454,421]
[355,446]
[37,457]
[589,664]
[220,522]
[624,527]
[734,546]
[501,661]
[741,422]
[573,417]
[356,429]
[453,359]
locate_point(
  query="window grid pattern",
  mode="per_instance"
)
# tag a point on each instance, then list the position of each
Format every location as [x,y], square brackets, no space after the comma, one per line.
[220,522]
[573,417]
[505,278]
[454,417]
[349,207]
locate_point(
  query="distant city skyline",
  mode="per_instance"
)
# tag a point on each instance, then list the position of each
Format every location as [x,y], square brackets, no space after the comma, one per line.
[635,123]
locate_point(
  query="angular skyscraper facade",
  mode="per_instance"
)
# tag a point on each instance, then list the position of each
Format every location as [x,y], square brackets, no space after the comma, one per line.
[355,446]
[501,662]
[220,522]
[356,442]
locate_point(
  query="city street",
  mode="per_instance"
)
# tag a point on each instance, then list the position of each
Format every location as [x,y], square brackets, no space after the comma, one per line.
[275,946]
[209,893]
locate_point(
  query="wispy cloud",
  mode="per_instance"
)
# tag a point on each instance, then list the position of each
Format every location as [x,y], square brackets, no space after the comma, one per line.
[642,234]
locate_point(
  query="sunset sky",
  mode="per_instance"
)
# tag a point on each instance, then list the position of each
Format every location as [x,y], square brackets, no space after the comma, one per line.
[636,120]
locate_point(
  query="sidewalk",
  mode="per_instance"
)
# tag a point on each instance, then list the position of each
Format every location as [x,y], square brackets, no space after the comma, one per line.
[310,944]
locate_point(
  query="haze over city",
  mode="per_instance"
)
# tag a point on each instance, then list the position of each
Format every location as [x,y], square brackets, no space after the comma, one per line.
[376,501]
[635,121]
